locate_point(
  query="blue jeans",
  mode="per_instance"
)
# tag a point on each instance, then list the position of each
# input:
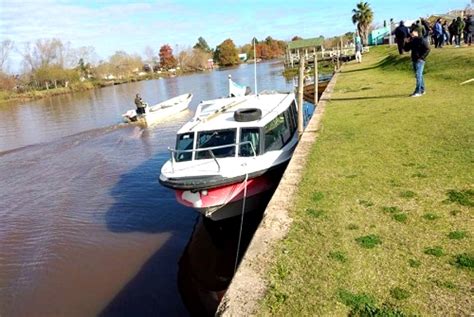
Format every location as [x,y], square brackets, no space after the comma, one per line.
[418,67]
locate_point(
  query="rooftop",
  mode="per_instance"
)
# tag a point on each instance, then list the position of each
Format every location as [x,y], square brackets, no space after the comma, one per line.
[219,113]
[306,43]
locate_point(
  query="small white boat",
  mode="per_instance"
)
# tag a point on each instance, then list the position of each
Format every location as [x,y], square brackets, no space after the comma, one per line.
[159,111]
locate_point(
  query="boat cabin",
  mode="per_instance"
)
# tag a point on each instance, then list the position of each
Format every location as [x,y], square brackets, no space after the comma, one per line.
[238,127]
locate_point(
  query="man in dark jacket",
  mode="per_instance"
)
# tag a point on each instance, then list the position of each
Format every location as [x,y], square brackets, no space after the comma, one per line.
[401,33]
[470,29]
[452,32]
[426,30]
[459,29]
[419,51]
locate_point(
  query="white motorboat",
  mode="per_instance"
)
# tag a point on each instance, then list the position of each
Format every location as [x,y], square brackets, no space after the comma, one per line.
[231,148]
[159,111]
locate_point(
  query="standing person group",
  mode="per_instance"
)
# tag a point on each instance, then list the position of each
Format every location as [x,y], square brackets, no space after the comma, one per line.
[441,33]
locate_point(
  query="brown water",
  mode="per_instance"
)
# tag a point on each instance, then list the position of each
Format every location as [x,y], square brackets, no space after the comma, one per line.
[85,227]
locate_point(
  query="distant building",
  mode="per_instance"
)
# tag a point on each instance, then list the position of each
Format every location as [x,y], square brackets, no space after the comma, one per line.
[243,57]
[210,63]
[376,37]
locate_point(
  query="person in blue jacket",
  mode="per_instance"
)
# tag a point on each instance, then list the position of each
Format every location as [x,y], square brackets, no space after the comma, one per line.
[438,34]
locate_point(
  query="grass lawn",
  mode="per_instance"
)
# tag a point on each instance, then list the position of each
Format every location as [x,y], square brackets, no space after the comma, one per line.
[383,222]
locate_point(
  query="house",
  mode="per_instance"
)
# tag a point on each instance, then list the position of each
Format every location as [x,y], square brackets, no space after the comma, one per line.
[243,57]
[376,37]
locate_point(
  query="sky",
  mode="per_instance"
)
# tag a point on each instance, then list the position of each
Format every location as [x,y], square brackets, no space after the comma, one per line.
[131,26]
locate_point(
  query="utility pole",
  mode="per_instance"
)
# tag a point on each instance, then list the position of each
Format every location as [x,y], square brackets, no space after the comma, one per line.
[300,96]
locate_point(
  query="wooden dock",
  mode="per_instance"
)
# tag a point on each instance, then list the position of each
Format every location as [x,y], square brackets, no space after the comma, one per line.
[313,49]
[308,90]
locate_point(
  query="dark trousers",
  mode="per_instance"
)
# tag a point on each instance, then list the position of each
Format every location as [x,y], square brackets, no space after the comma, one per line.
[400,44]
[438,39]
[140,110]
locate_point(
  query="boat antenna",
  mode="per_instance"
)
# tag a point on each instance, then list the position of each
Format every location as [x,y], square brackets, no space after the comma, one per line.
[255,64]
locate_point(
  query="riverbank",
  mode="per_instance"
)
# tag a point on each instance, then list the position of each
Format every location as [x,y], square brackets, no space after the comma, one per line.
[33,94]
[381,219]
[380,222]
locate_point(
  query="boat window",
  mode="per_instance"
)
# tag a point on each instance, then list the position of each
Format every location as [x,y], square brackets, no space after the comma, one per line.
[184,142]
[277,133]
[294,113]
[252,135]
[207,139]
[290,119]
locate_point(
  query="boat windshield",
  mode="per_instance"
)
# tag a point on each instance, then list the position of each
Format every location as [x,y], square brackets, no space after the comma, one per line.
[252,135]
[184,142]
[208,139]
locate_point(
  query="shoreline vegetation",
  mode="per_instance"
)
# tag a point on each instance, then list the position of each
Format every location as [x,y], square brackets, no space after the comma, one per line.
[54,68]
[33,94]
[381,222]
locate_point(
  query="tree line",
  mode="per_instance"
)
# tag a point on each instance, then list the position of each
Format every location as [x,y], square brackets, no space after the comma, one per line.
[51,63]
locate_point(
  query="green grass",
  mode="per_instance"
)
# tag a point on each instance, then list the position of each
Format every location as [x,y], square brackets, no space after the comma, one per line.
[457,235]
[400,217]
[430,216]
[434,251]
[338,256]
[399,293]
[463,260]
[369,242]
[411,156]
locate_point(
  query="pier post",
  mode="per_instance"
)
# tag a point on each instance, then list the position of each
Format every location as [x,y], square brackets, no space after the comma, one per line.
[300,96]
[338,58]
[316,77]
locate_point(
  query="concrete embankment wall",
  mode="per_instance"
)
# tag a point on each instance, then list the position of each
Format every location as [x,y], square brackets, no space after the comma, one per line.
[249,283]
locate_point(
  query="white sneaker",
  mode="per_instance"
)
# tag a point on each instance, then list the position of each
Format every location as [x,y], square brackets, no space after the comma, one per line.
[416,95]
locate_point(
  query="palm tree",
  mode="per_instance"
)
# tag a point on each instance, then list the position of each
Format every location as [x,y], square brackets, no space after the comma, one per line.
[363,16]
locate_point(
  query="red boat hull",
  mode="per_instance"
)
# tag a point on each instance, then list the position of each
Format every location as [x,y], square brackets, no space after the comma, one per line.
[226,201]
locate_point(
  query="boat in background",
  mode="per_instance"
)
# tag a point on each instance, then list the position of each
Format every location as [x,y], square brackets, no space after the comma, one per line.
[159,111]
[308,90]
[233,150]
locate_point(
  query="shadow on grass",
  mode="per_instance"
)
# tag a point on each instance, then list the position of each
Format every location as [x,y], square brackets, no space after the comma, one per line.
[390,62]
[370,97]
[360,69]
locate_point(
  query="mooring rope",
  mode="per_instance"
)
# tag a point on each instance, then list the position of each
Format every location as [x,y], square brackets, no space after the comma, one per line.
[241,222]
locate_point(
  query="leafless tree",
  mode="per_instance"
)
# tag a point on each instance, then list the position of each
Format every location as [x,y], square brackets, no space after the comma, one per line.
[46,52]
[149,54]
[5,48]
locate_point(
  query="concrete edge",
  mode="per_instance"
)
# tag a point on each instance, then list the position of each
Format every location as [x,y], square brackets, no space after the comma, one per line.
[249,283]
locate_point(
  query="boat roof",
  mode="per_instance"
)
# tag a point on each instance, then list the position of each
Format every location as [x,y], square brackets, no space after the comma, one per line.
[218,114]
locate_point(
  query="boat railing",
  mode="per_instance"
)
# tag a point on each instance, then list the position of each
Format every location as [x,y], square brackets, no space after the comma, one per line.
[173,152]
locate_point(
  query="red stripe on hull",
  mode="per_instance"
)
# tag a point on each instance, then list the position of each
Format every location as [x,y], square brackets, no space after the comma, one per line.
[223,195]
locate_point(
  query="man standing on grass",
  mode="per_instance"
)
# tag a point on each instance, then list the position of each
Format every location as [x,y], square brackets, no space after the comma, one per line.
[401,33]
[420,49]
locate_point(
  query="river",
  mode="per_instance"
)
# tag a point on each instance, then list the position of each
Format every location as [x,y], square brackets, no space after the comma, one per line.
[86,229]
